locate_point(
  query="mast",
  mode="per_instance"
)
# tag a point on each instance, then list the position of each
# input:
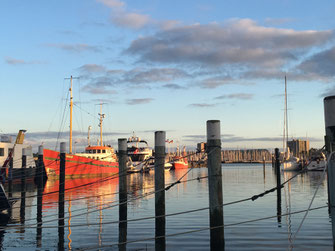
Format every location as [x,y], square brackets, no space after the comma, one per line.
[71,108]
[88,135]
[286,117]
[102,116]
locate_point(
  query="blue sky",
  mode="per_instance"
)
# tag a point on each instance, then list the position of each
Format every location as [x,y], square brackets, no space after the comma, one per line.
[167,65]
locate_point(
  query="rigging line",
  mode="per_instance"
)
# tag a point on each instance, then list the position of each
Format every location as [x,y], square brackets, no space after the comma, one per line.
[62,121]
[310,204]
[80,108]
[59,108]
[197,230]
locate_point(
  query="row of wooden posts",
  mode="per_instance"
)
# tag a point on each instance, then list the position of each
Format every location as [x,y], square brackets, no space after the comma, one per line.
[214,185]
[213,149]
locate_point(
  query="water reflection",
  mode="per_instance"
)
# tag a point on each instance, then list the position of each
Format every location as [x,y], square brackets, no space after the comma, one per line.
[239,181]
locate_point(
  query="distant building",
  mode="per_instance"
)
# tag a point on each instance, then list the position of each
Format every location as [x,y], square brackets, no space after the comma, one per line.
[299,148]
[201,147]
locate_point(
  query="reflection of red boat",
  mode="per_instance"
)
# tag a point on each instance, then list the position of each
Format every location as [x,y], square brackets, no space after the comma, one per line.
[87,188]
[180,161]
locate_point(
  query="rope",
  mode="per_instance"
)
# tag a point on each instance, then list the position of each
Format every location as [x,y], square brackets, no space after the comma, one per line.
[200,230]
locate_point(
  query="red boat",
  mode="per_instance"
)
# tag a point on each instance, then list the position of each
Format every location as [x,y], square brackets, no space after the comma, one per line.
[180,161]
[96,161]
[82,165]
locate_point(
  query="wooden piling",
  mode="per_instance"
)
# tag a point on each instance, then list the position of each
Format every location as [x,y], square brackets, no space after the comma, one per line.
[217,241]
[122,155]
[61,196]
[23,186]
[40,173]
[329,113]
[159,190]
[278,176]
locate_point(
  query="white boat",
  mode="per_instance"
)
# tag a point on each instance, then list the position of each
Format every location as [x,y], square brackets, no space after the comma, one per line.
[289,162]
[10,148]
[139,155]
[317,163]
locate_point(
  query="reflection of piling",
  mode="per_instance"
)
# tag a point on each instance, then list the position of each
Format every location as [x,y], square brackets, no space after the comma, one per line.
[39,215]
[264,168]
[23,186]
[277,171]
[61,196]
[159,190]
[215,185]
[122,143]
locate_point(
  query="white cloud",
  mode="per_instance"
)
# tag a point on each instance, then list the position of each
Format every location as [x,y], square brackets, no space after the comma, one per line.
[112,3]
[239,42]
[131,20]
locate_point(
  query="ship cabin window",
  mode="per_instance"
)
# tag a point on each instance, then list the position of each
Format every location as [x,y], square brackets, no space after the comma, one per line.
[103,151]
[94,151]
[137,157]
[99,151]
[2,151]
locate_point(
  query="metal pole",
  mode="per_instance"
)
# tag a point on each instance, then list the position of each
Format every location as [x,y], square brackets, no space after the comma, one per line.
[61,196]
[122,144]
[215,185]
[159,190]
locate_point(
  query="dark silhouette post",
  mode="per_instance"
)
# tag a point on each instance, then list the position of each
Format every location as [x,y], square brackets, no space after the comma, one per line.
[215,185]
[122,144]
[277,171]
[329,109]
[61,196]
[159,189]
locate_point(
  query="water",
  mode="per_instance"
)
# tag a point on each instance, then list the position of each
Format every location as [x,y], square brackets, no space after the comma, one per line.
[96,230]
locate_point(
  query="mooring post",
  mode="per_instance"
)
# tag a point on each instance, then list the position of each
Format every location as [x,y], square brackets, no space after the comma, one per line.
[215,185]
[329,111]
[23,186]
[122,154]
[61,196]
[10,177]
[278,174]
[159,190]
[40,174]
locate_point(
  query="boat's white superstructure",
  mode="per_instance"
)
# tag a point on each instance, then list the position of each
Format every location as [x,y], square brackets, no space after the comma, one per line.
[7,144]
[317,163]
[140,155]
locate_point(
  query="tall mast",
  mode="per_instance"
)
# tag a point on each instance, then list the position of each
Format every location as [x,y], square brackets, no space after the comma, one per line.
[102,116]
[286,118]
[71,108]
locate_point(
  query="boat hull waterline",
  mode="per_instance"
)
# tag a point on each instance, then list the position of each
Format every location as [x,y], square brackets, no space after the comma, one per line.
[77,166]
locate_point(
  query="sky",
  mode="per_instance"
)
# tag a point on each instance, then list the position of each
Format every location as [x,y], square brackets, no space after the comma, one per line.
[166,65]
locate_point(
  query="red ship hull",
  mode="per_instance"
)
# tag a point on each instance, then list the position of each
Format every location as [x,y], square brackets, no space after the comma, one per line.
[77,166]
[180,165]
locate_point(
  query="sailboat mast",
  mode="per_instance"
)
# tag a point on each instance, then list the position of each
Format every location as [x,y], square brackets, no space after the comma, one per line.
[286,118]
[71,108]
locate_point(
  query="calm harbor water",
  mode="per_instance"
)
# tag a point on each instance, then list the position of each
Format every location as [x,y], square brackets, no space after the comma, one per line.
[91,213]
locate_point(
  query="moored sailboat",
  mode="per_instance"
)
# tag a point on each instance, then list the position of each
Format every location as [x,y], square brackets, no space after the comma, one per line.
[290,162]
[99,160]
